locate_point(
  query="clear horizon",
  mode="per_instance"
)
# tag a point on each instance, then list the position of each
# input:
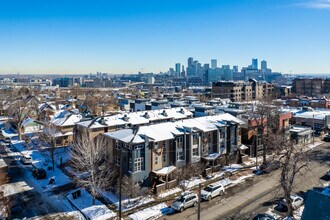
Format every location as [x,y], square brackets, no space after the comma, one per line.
[79,37]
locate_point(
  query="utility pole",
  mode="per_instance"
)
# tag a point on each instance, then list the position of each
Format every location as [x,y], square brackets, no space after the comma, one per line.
[199,202]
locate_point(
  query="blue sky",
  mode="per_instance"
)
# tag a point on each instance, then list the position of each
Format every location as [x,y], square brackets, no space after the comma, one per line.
[123,36]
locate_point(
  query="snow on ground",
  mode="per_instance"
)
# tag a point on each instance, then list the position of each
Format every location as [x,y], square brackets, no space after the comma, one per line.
[127,203]
[153,212]
[40,161]
[169,192]
[192,182]
[311,146]
[241,179]
[85,204]
[232,168]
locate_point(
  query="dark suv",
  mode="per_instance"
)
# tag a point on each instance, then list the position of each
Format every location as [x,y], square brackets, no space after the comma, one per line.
[326,138]
[39,173]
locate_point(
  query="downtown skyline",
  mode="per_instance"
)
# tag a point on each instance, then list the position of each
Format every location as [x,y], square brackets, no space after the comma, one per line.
[125,37]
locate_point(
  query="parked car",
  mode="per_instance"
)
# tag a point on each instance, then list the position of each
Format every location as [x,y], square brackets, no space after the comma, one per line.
[212,191]
[296,202]
[264,216]
[185,200]
[26,159]
[326,138]
[260,172]
[39,173]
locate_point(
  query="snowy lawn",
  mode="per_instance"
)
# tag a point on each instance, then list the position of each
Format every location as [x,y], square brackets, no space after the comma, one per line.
[169,192]
[192,182]
[127,203]
[85,204]
[153,212]
[232,168]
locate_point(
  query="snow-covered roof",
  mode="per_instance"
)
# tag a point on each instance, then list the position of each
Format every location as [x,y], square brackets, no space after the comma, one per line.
[212,156]
[27,121]
[320,115]
[137,118]
[65,118]
[165,170]
[46,105]
[168,130]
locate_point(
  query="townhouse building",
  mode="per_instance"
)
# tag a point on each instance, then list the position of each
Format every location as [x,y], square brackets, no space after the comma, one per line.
[99,125]
[157,150]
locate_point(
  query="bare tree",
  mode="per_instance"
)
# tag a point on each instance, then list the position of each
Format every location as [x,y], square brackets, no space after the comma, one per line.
[263,116]
[50,136]
[185,174]
[92,157]
[21,105]
[292,158]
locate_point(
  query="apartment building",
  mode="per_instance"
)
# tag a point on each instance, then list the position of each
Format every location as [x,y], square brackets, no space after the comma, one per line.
[158,149]
[309,87]
[239,91]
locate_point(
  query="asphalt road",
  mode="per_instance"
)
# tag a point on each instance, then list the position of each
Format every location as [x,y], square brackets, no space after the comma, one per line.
[261,193]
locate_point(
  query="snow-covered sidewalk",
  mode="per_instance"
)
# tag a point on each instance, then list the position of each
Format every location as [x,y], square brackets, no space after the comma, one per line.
[85,204]
[311,146]
[153,212]
[127,203]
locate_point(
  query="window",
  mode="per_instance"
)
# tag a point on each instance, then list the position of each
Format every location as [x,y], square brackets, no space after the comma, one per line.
[179,155]
[195,139]
[138,164]
[117,160]
[164,152]
[156,159]
[117,145]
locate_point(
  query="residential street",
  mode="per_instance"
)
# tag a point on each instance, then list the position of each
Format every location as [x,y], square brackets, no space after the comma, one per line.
[27,199]
[257,195]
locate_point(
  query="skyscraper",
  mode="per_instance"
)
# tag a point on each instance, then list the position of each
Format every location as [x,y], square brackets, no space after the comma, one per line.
[178,69]
[183,73]
[213,63]
[255,64]
[264,65]
[190,61]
